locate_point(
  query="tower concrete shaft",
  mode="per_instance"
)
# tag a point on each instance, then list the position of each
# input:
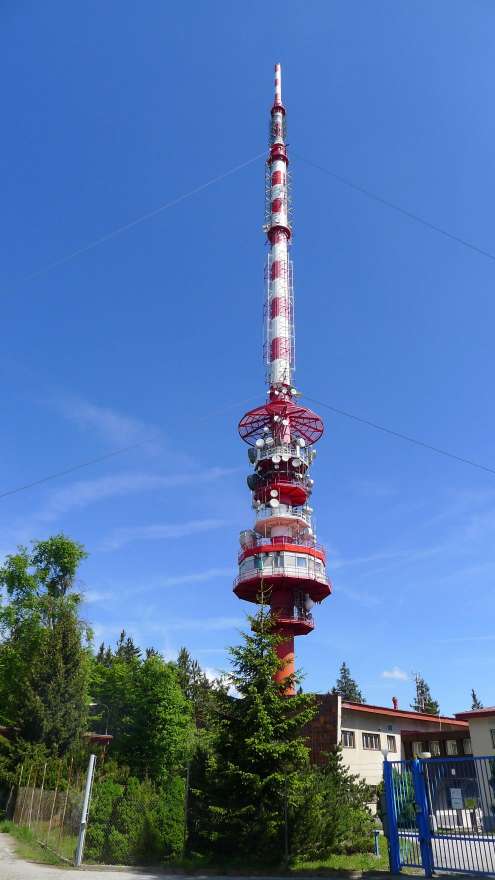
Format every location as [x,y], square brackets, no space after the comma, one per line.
[280,561]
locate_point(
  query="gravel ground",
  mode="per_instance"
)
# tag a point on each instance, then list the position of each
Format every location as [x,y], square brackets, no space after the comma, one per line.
[14,868]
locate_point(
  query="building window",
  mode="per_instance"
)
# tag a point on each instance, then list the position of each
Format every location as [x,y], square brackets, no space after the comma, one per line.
[468,749]
[435,748]
[391,743]
[371,741]
[302,562]
[492,734]
[348,739]
[417,748]
[452,747]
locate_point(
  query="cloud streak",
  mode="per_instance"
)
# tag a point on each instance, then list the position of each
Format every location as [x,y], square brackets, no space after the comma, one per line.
[396,673]
[159,532]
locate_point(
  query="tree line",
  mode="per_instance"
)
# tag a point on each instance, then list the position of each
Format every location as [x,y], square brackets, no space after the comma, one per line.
[217,769]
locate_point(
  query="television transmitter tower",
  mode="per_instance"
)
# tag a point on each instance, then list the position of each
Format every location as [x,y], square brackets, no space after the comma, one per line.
[279,558]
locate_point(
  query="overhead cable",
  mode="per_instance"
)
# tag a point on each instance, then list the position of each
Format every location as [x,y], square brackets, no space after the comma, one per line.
[400,436]
[141,219]
[404,211]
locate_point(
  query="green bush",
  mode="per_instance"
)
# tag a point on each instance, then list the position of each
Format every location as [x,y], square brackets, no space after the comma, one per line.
[138,823]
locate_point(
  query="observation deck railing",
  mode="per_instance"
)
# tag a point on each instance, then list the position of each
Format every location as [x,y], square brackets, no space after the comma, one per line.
[291,450]
[292,571]
[267,512]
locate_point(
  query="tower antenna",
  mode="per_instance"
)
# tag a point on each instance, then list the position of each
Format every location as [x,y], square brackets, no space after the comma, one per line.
[280,552]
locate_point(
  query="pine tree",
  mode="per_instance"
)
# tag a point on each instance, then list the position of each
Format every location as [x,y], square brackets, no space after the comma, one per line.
[196,686]
[54,710]
[43,686]
[475,703]
[347,687]
[258,757]
[333,816]
[423,701]
[126,650]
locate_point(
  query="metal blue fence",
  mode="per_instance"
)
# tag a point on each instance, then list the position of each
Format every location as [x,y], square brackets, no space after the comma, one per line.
[441,814]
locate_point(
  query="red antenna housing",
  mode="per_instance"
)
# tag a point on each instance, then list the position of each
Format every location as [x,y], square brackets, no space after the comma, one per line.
[279,556]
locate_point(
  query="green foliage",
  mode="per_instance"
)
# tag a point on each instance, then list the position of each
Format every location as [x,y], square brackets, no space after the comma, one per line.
[239,789]
[136,823]
[423,701]
[475,702]
[148,714]
[332,815]
[406,801]
[347,687]
[43,662]
[198,690]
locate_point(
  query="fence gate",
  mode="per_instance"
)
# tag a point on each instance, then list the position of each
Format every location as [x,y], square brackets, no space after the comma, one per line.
[441,814]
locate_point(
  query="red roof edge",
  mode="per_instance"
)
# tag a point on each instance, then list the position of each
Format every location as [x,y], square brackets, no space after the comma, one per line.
[476,713]
[399,713]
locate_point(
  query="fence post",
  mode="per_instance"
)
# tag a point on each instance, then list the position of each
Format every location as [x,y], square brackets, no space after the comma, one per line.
[85,810]
[422,818]
[393,831]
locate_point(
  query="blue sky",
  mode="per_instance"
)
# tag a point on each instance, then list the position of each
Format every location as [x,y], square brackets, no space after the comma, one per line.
[113,109]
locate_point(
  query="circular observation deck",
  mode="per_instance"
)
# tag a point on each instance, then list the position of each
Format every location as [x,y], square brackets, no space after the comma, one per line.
[252,582]
[283,515]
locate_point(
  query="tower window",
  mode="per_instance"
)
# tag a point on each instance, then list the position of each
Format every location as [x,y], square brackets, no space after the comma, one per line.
[302,562]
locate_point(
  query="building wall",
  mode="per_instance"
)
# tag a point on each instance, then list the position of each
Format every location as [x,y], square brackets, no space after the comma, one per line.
[481,739]
[364,761]
[368,762]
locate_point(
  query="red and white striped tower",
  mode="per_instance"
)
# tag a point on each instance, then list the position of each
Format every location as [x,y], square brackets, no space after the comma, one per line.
[279,556]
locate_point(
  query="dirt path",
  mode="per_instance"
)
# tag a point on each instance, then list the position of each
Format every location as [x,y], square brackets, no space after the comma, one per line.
[14,868]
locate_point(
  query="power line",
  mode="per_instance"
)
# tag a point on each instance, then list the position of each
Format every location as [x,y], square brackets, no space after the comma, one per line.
[111,454]
[414,440]
[149,214]
[410,214]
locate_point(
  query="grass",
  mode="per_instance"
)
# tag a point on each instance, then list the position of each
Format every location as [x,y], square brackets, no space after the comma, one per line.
[27,846]
[353,862]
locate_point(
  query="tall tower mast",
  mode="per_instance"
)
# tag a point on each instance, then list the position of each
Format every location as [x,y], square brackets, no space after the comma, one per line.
[280,559]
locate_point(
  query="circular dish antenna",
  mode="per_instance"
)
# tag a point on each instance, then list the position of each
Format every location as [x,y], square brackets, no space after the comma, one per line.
[285,456]
[252,455]
[274,493]
[304,423]
[296,462]
[274,502]
[276,458]
[269,441]
[260,443]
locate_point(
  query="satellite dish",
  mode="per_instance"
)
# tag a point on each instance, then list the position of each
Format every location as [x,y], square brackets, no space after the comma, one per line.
[269,441]
[311,482]
[296,462]
[285,456]
[260,443]
[301,441]
[266,429]
[274,493]
[276,458]
[276,467]
[253,481]
[274,502]
[308,509]
[285,421]
[252,455]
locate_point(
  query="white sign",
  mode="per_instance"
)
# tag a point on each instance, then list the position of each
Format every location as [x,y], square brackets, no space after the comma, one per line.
[456,799]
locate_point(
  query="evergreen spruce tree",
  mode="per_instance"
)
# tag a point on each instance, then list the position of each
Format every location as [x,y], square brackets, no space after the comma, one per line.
[43,658]
[475,703]
[424,701]
[347,687]
[333,817]
[259,758]
[196,686]
[53,710]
